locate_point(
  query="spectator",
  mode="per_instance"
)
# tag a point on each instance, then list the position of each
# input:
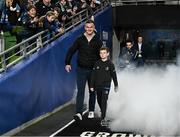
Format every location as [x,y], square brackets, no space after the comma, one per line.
[59,18]
[29,22]
[94,4]
[87,45]
[62,5]
[13,11]
[65,10]
[82,4]
[52,24]
[103,72]
[43,6]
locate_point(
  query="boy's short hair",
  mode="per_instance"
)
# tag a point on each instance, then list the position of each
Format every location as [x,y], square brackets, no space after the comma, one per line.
[104,48]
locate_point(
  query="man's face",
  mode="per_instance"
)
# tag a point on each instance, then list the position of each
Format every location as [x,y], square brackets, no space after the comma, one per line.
[104,54]
[128,45]
[89,28]
[140,39]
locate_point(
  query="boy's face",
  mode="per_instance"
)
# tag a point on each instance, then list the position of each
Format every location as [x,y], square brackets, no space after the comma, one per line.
[104,54]
[50,18]
[32,12]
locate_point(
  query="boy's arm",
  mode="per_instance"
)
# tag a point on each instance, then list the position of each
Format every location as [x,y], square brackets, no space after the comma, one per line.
[114,75]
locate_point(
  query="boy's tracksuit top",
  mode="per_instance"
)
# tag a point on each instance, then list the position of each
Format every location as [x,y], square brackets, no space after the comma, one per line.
[103,73]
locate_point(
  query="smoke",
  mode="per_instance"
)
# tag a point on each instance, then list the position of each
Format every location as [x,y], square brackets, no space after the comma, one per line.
[148,101]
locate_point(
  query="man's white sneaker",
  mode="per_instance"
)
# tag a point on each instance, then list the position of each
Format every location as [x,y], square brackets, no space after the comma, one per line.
[91,114]
[78,116]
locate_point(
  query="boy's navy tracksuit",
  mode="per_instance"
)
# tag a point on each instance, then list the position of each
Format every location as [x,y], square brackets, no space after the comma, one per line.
[103,73]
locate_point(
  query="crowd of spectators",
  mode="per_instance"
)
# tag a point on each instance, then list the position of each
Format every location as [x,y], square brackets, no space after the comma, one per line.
[33,16]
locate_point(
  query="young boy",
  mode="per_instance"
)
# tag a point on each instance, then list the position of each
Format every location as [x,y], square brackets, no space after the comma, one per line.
[103,73]
[52,24]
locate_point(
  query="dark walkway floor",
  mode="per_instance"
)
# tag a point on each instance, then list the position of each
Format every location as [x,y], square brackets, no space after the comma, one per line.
[85,128]
[51,124]
[56,121]
[77,128]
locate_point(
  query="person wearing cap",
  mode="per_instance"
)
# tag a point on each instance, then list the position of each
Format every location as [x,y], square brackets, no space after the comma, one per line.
[87,46]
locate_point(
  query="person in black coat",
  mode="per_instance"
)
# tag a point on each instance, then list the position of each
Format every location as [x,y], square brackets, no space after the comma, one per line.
[127,59]
[140,48]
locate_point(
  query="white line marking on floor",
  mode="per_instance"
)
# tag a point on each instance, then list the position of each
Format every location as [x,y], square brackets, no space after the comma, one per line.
[68,124]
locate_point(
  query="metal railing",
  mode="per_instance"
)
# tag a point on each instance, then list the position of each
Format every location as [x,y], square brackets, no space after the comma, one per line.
[144,2]
[31,45]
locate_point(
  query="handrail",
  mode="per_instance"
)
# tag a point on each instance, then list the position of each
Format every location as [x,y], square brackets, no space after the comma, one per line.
[33,44]
[144,2]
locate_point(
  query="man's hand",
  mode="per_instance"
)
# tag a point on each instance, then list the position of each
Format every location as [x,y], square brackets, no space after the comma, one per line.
[116,89]
[68,68]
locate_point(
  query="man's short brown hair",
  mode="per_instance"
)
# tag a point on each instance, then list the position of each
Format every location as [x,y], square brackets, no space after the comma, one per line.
[89,21]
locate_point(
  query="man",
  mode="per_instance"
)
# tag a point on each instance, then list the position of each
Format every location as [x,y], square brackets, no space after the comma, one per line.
[128,56]
[140,48]
[87,45]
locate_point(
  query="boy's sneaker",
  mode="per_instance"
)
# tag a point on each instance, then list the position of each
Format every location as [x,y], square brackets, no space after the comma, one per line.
[104,122]
[91,114]
[78,117]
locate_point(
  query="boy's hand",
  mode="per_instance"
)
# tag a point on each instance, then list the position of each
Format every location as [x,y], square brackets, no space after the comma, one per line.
[91,89]
[116,89]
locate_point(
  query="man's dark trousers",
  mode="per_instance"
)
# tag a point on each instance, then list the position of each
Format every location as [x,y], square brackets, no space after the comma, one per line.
[83,76]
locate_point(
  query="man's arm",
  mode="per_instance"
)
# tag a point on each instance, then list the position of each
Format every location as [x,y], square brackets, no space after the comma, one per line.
[69,55]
